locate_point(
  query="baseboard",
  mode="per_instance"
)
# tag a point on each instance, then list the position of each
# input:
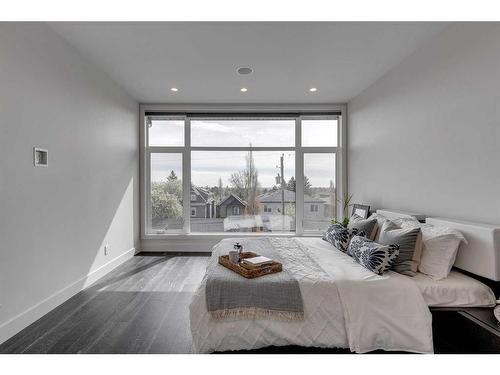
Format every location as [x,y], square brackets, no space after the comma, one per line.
[32,314]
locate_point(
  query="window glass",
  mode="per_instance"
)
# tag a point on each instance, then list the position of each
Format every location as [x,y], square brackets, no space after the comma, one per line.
[166,212]
[242,133]
[242,191]
[319,133]
[319,191]
[164,131]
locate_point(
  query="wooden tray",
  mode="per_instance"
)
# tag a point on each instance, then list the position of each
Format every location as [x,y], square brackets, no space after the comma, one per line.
[249,271]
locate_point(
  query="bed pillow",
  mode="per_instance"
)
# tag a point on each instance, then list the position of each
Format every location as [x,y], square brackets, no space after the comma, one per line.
[340,236]
[369,226]
[397,220]
[439,250]
[409,241]
[380,221]
[373,256]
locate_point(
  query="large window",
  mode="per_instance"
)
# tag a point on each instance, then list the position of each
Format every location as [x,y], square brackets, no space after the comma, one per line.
[262,174]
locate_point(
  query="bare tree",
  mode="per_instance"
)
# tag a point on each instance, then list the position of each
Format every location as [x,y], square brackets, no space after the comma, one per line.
[245,184]
[220,190]
[251,184]
[307,186]
[333,200]
[237,184]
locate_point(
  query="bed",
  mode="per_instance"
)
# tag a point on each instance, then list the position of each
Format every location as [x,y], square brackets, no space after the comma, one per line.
[345,305]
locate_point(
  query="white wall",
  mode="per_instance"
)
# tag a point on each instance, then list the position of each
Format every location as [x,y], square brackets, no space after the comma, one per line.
[426,136]
[54,221]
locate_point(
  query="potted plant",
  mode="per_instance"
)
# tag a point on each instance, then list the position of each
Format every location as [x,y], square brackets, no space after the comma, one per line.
[346,203]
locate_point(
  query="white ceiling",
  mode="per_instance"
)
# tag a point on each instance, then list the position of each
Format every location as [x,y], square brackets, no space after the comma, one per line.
[340,59]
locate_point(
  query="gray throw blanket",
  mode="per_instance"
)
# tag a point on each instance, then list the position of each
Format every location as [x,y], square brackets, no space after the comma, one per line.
[230,296]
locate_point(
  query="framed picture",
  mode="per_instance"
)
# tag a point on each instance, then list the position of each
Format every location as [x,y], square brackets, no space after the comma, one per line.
[361,210]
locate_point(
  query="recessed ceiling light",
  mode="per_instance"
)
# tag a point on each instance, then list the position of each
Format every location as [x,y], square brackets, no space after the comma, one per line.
[174,89]
[313,89]
[244,70]
[243,89]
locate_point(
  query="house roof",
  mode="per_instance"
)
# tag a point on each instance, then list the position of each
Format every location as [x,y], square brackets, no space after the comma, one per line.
[275,197]
[241,201]
[202,192]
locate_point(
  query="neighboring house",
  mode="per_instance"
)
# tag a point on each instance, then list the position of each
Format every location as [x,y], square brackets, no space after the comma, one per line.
[232,205]
[202,204]
[330,203]
[271,204]
[315,207]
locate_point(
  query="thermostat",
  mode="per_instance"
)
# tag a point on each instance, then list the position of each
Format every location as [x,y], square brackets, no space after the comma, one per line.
[40,157]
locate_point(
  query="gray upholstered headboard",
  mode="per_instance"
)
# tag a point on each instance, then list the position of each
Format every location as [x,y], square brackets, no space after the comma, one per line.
[481,256]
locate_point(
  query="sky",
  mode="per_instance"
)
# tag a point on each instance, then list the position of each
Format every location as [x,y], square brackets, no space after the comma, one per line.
[208,166]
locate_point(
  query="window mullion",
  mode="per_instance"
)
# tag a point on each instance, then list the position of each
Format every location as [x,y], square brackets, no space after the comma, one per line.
[143,166]
[338,186]
[168,149]
[147,173]
[299,179]
[341,164]
[225,148]
[186,176]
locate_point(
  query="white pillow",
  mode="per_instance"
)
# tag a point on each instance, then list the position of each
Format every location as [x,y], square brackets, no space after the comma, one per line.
[396,220]
[380,218]
[440,247]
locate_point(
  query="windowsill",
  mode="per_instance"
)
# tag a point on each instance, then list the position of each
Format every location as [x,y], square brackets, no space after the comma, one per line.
[187,236]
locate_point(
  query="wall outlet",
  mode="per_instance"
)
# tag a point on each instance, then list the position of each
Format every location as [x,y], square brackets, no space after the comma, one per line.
[106,249]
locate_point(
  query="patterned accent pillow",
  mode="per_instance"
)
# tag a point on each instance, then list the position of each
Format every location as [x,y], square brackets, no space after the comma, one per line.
[373,256]
[340,236]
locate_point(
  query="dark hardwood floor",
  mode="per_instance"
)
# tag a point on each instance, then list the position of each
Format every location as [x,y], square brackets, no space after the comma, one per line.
[140,307]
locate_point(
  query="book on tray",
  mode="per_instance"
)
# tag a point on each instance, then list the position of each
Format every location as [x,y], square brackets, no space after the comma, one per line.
[257,261]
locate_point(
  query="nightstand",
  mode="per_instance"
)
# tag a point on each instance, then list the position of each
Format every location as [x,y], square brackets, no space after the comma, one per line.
[469,330]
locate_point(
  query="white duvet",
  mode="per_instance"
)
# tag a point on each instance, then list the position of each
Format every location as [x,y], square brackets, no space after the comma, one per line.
[346,306]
